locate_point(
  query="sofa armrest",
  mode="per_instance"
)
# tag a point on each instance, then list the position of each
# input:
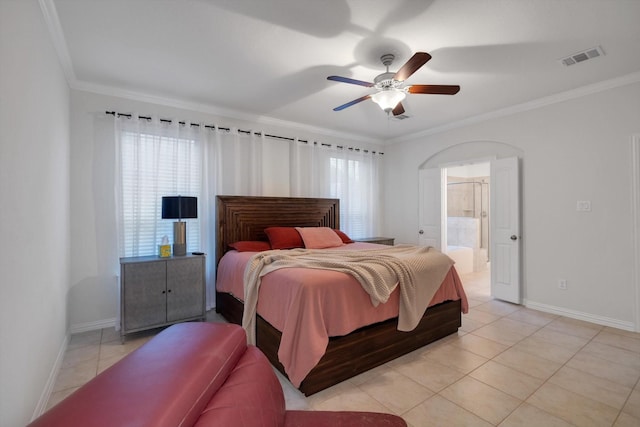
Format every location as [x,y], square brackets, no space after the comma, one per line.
[165,383]
[251,396]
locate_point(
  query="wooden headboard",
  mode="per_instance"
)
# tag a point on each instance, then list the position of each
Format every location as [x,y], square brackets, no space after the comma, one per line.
[246,217]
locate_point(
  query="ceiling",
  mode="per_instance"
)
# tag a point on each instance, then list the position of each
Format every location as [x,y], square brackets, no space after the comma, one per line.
[268,61]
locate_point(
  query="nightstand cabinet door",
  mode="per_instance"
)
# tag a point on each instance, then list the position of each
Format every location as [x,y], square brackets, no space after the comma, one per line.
[144,294]
[185,298]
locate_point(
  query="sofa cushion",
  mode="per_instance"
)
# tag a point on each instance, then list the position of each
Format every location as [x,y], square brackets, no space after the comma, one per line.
[166,382]
[250,397]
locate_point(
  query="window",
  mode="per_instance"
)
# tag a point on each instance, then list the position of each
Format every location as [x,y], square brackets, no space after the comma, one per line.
[153,165]
[353,182]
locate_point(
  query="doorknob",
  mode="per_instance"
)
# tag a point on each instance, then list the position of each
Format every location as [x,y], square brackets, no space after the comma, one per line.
[514,237]
[421,232]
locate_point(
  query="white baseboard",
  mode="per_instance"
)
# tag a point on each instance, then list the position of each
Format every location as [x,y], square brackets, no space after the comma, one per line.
[92,326]
[587,317]
[41,407]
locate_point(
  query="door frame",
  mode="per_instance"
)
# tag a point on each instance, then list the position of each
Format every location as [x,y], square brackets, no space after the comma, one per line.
[635,197]
[443,188]
[483,159]
[450,165]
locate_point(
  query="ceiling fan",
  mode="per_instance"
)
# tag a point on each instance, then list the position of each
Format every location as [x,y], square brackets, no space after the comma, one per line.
[390,88]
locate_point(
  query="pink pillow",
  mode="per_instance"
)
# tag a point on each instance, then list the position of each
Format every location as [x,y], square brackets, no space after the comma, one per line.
[319,237]
[343,236]
[250,246]
[284,238]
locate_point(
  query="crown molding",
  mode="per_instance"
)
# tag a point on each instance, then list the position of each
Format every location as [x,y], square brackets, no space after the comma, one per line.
[50,15]
[216,111]
[53,23]
[526,106]
[265,120]
[52,20]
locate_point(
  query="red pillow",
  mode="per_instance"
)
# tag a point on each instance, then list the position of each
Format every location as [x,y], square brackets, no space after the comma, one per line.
[251,246]
[343,236]
[284,237]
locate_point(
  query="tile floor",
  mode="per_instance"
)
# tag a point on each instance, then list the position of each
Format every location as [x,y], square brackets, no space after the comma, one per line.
[507,366]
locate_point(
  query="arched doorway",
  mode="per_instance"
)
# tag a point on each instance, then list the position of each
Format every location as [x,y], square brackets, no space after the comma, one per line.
[505,191]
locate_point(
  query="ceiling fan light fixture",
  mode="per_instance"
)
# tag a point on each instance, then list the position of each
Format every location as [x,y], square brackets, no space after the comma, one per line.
[388,99]
[390,88]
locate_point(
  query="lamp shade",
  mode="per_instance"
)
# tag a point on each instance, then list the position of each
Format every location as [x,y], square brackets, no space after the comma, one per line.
[179,207]
[388,99]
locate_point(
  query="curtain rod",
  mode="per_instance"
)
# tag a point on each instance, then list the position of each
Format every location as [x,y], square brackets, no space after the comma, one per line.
[248,132]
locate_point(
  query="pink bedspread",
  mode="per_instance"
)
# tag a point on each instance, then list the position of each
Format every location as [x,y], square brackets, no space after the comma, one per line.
[308,306]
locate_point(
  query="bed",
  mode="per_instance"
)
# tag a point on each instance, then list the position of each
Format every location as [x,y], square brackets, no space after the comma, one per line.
[241,218]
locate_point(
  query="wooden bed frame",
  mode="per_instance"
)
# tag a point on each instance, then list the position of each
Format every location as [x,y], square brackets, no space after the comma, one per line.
[245,218]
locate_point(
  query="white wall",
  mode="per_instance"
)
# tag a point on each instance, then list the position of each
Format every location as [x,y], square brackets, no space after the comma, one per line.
[93,296]
[574,150]
[34,214]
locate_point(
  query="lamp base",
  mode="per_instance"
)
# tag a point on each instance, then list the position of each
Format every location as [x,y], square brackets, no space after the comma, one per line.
[179,249]
[179,238]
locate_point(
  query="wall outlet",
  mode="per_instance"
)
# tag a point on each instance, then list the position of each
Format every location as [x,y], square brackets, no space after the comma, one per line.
[562,284]
[583,205]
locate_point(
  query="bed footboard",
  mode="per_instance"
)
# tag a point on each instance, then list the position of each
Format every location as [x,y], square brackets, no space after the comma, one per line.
[361,350]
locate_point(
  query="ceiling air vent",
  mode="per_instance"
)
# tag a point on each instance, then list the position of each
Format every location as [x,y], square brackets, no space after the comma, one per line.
[593,52]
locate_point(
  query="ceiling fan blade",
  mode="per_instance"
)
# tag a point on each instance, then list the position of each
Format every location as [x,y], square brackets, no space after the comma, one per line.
[434,89]
[398,110]
[349,104]
[348,80]
[411,66]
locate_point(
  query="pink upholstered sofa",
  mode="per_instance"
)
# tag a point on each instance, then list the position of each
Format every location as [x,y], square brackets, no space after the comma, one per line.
[194,374]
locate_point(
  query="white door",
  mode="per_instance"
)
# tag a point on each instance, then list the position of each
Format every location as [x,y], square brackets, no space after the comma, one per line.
[505,230]
[430,232]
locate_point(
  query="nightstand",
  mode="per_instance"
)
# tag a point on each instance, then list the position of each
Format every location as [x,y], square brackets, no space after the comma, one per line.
[378,240]
[158,291]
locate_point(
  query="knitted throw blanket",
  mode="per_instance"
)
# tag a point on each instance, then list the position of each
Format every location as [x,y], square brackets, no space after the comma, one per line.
[418,270]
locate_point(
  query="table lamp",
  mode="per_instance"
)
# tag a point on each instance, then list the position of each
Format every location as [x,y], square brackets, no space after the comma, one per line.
[179,207]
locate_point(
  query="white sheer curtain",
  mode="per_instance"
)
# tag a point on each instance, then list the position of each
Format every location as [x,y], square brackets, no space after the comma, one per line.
[248,162]
[355,181]
[232,164]
[240,171]
[309,168]
[211,185]
[159,158]
[154,159]
[352,175]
